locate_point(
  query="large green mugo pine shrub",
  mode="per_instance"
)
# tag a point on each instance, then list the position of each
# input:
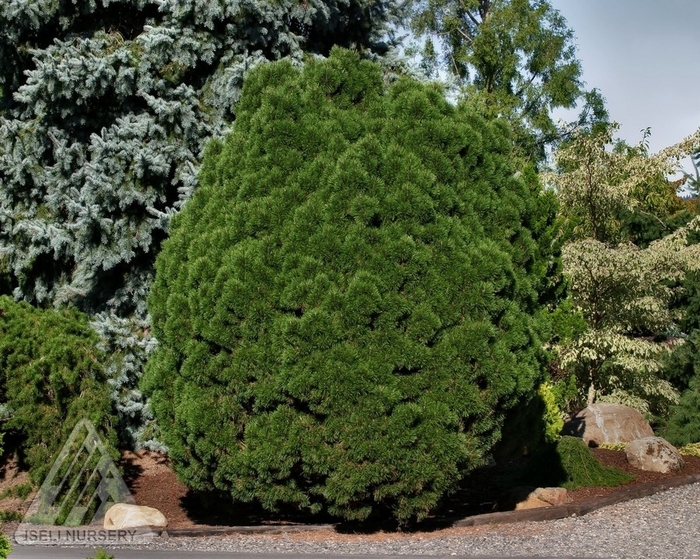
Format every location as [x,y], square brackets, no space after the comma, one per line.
[344,309]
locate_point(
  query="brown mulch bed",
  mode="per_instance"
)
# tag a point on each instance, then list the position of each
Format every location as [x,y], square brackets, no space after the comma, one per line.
[618,460]
[154,484]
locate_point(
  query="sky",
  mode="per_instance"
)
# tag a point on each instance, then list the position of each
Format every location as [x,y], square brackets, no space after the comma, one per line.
[644,57]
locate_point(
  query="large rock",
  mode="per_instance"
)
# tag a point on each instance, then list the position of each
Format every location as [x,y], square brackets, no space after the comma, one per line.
[521,498]
[121,515]
[654,454]
[608,423]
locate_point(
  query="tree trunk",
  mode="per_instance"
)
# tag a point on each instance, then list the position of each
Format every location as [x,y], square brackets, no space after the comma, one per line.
[591,393]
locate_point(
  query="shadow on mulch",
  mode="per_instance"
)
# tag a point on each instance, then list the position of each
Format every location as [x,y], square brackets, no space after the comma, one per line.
[477,494]
[131,470]
[215,509]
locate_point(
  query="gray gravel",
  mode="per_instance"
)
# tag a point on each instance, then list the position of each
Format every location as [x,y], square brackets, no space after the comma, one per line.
[665,525]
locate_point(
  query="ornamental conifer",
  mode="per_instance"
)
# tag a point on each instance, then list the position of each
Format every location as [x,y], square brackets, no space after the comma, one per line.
[105,109]
[346,308]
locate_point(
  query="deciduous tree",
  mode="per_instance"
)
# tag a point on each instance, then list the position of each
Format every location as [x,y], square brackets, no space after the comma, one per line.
[623,290]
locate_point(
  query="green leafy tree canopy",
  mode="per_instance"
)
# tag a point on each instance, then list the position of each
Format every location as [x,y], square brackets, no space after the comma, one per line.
[624,291]
[515,58]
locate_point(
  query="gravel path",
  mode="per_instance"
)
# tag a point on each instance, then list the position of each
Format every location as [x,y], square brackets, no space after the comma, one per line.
[665,525]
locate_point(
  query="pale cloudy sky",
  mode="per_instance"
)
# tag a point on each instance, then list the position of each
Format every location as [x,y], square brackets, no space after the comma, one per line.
[644,56]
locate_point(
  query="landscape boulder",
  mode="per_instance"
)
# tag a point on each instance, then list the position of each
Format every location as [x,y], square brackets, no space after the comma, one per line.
[122,515]
[521,498]
[654,454]
[608,423]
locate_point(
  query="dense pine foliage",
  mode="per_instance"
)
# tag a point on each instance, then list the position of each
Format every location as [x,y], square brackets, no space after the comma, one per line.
[568,462]
[51,377]
[345,308]
[105,108]
[356,307]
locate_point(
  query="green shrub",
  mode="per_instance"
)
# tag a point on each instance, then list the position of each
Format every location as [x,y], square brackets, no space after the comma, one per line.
[20,491]
[553,422]
[683,363]
[5,547]
[101,554]
[691,449]
[684,419]
[567,394]
[51,376]
[345,308]
[583,469]
[10,516]
[570,463]
[530,426]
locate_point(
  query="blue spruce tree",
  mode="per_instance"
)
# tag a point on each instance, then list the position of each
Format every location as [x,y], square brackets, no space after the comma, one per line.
[105,109]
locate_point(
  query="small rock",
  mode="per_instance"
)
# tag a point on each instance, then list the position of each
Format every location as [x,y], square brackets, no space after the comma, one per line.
[608,423]
[552,495]
[521,498]
[122,515]
[654,454]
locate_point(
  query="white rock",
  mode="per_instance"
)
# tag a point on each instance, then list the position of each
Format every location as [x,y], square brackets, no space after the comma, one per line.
[121,515]
[608,423]
[654,454]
